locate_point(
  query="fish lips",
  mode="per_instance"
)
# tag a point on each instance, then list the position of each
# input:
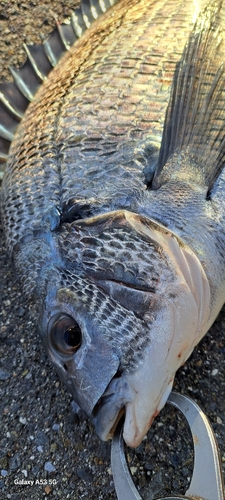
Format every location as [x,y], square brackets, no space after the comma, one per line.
[111,406]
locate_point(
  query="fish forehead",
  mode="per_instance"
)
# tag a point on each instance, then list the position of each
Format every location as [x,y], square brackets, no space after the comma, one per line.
[113,83]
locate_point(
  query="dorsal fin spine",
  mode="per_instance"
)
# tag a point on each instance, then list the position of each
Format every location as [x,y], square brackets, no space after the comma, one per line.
[102,5]
[78,30]
[49,53]
[87,12]
[38,66]
[94,12]
[62,37]
[21,84]
[5,134]
[86,20]
[10,108]
[33,63]
[3,159]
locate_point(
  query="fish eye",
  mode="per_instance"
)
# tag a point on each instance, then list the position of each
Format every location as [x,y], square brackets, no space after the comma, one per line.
[65,334]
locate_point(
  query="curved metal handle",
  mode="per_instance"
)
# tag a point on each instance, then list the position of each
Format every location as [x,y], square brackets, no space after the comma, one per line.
[124,486]
[207,480]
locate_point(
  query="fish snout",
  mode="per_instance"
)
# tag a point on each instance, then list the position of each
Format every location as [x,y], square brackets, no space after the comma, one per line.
[87,383]
[85,367]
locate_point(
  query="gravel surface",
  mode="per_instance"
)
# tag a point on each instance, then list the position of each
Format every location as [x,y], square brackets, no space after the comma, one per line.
[44,440]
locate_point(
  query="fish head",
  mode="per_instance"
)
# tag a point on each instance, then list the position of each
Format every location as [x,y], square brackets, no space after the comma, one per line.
[119,319]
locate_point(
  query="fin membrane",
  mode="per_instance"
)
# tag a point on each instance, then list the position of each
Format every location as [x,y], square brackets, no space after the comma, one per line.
[194,128]
[15,97]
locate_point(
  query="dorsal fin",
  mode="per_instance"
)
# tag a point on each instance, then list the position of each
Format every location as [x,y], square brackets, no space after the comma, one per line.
[15,96]
[194,128]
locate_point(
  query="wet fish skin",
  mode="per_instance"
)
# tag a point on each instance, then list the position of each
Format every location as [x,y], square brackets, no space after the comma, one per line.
[125,262]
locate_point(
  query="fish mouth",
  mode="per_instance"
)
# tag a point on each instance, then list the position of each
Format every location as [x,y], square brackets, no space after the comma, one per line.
[124,397]
[107,432]
[111,407]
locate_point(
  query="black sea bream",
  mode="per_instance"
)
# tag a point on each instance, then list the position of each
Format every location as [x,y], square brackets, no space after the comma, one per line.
[113,198]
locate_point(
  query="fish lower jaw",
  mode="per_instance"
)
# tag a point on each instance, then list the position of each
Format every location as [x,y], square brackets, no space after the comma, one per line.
[110,408]
[133,432]
[139,410]
[106,432]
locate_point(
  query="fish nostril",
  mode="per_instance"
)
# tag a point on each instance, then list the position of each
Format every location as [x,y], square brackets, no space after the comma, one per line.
[65,367]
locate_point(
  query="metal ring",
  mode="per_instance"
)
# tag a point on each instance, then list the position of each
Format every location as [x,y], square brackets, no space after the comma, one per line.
[207,480]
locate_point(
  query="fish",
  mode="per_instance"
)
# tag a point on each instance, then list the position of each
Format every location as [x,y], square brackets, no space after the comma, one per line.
[113,201]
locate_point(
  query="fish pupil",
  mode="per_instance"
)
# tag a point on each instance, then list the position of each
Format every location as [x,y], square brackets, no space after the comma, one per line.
[72,336]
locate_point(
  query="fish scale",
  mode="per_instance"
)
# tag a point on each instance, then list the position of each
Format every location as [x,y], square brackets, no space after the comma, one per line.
[91,250]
